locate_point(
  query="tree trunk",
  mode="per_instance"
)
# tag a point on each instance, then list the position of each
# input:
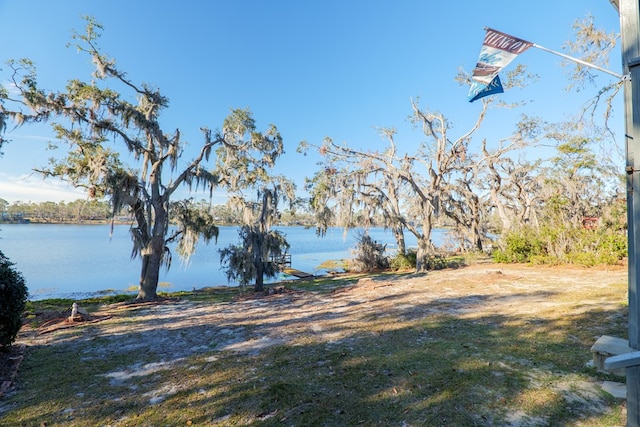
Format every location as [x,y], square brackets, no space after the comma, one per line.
[478,242]
[504,216]
[425,249]
[474,229]
[152,260]
[259,258]
[259,286]
[398,233]
[149,276]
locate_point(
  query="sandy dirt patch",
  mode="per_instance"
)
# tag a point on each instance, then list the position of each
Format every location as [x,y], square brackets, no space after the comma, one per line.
[168,333]
[177,329]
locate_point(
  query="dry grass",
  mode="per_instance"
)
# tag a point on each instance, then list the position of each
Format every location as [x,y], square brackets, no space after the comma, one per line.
[484,345]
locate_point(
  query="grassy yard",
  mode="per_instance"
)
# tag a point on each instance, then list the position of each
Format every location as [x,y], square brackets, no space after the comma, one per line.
[482,345]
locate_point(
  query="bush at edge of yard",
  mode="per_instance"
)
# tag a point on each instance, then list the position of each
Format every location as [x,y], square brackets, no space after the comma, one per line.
[403,261]
[553,246]
[13,299]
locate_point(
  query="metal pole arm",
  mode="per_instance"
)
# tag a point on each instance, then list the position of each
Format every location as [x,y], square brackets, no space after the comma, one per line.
[581,62]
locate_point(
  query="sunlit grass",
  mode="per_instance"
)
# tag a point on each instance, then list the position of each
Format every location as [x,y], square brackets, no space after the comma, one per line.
[334,265]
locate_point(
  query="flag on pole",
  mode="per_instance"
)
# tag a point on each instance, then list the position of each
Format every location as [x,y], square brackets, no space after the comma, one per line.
[498,50]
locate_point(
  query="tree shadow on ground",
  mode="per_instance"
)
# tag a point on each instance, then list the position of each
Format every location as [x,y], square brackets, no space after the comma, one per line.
[441,362]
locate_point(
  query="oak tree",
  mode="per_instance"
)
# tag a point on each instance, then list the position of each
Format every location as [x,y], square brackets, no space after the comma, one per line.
[92,115]
[246,166]
[408,187]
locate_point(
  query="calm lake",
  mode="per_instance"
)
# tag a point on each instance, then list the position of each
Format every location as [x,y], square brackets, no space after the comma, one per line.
[77,261]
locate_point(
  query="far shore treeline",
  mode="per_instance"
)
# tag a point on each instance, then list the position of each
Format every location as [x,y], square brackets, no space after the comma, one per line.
[83,211]
[78,211]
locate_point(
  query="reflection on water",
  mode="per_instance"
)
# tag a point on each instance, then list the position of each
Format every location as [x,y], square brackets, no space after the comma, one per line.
[81,260]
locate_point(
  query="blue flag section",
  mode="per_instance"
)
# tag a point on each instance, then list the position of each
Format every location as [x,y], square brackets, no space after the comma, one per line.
[479,90]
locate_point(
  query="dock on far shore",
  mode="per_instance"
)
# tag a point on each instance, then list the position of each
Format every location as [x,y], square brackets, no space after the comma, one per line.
[297,273]
[285,266]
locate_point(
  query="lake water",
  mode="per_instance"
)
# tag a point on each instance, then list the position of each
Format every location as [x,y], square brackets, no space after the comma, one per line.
[76,261]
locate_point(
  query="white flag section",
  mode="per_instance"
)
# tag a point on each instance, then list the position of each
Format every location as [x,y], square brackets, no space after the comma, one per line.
[498,50]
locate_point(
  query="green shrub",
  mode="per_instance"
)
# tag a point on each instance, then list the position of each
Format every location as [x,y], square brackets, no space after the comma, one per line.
[615,244]
[545,260]
[563,244]
[403,261]
[13,298]
[435,262]
[520,246]
[588,259]
[440,262]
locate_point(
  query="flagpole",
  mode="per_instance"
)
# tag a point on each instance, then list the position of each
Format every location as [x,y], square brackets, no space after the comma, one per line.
[579,61]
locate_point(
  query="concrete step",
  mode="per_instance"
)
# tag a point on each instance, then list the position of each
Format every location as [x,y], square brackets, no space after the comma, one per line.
[607,346]
[617,390]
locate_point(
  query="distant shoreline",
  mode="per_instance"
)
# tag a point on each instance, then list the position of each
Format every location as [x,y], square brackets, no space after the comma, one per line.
[80,222]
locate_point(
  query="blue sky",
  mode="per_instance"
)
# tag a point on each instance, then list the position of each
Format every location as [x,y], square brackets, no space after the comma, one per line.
[315,69]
